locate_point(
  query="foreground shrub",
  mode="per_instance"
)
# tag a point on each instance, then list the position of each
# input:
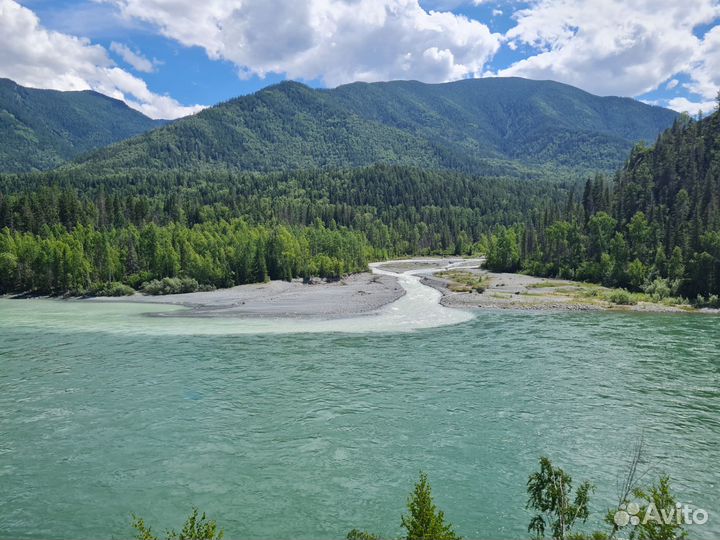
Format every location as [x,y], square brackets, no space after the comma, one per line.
[424,520]
[195,528]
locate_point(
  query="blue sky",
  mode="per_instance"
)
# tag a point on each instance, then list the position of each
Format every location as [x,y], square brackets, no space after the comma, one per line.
[171,58]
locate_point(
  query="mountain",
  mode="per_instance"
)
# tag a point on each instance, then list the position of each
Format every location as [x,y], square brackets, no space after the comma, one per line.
[41,129]
[494,126]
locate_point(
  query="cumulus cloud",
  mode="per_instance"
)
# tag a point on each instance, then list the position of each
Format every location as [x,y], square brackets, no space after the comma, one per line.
[133,58]
[336,41]
[704,70]
[682,104]
[34,56]
[617,47]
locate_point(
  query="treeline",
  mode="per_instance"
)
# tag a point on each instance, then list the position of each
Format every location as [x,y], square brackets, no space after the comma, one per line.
[86,260]
[426,209]
[380,211]
[655,227]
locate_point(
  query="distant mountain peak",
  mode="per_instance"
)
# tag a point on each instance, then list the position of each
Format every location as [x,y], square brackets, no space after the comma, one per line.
[41,129]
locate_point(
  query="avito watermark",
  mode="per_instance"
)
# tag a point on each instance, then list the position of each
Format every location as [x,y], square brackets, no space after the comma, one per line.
[679,514]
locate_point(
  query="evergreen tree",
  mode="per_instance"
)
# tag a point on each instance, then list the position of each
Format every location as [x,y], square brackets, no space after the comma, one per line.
[424,521]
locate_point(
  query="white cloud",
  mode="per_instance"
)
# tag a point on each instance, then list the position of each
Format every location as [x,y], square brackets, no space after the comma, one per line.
[448,5]
[34,56]
[672,84]
[133,58]
[682,104]
[705,66]
[337,41]
[618,47]
[497,12]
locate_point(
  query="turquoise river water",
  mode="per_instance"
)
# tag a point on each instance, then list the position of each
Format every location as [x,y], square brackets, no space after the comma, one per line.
[307,434]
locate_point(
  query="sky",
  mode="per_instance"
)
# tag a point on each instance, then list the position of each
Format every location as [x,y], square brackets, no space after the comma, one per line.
[171,58]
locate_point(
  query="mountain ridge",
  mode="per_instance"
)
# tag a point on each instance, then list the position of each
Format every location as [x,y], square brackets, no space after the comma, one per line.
[41,129]
[486,126]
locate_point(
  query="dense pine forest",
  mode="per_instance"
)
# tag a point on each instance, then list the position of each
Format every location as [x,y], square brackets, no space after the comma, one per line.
[654,227]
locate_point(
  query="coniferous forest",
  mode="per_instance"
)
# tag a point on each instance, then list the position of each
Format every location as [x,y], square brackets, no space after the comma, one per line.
[654,226]
[65,234]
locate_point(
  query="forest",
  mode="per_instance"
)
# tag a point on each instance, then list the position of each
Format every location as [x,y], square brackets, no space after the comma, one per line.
[489,126]
[63,233]
[654,226]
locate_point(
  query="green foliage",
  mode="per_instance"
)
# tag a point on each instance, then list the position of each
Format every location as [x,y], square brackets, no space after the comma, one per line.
[637,274]
[173,258]
[297,224]
[170,286]
[356,534]
[550,494]
[113,288]
[464,281]
[655,227]
[505,126]
[713,301]
[658,289]
[425,521]
[653,525]
[41,129]
[196,527]
[622,297]
[503,251]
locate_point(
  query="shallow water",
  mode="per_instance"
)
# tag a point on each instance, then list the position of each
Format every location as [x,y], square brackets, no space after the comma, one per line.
[104,413]
[416,310]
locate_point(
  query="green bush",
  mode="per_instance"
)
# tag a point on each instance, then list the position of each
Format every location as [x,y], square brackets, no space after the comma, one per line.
[658,289]
[169,285]
[708,302]
[196,527]
[112,288]
[622,297]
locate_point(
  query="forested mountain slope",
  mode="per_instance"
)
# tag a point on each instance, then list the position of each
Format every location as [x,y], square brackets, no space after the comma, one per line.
[500,127]
[41,129]
[656,228]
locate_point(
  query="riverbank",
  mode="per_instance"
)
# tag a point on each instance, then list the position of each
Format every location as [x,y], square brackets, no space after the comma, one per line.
[462,283]
[353,295]
[475,288]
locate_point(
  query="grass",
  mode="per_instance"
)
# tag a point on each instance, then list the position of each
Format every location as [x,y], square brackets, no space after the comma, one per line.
[547,285]
[463,281]
[581,292]
[595,294]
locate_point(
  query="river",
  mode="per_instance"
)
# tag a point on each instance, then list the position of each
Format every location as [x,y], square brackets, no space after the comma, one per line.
[286,429]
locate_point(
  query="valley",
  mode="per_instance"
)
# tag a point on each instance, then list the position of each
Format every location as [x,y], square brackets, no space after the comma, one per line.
[301,297]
